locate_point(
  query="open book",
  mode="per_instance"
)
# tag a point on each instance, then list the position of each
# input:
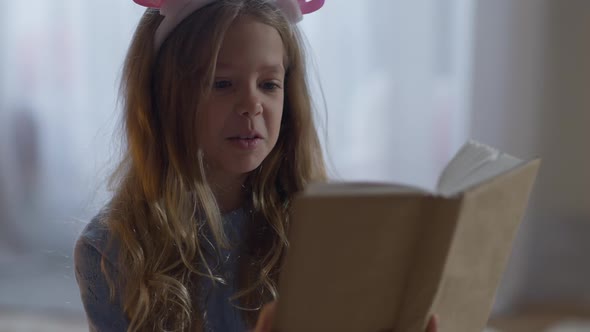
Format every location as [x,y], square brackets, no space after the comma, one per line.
[382,257]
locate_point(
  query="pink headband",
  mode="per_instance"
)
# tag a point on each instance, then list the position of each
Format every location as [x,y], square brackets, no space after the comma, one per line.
[174,11]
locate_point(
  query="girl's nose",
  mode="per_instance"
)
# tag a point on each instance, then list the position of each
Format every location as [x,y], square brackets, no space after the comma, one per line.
[249,104]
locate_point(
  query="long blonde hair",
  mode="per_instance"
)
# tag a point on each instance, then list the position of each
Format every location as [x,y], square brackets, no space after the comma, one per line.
[161,187]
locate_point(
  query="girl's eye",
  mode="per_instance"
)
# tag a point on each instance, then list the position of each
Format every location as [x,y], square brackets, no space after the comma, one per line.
[270,86]
[222,84]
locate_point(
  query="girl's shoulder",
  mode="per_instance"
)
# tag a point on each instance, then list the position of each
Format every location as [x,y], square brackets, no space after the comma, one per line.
[96,237]
[95,264]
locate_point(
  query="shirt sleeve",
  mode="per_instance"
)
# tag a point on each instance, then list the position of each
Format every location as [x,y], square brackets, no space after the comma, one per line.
[102,313]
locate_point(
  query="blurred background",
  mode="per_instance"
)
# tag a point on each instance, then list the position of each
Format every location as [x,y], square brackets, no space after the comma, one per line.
[405,83]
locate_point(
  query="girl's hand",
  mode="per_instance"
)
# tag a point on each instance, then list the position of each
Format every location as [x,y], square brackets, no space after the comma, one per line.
[267,314]
[432,324]
[264,323]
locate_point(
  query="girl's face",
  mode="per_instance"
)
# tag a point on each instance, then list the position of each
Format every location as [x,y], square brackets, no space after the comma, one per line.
[240,121]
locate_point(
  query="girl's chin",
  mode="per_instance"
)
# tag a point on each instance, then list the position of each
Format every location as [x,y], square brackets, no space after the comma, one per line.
[241,169]
[236,166]
[246,169]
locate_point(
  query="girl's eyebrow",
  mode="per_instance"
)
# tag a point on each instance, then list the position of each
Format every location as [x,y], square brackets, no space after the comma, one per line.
[272,68]
[276,68]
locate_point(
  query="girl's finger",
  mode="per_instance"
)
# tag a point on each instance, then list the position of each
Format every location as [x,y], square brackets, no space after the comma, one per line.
[432,324]
[264,323]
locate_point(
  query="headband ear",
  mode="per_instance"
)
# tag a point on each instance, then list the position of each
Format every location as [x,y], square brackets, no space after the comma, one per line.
[149,3]
[307,6]
[310,6]
[174,11]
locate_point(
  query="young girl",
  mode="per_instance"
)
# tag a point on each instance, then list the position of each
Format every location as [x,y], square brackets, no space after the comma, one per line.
[219,138]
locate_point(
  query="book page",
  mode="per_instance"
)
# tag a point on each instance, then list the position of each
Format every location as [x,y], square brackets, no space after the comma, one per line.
[473,164]
[360,188]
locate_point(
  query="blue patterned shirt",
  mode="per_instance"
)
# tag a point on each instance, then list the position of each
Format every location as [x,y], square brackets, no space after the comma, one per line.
[106,315]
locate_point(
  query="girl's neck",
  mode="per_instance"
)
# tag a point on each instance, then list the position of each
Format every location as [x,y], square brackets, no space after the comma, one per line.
[229,192]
